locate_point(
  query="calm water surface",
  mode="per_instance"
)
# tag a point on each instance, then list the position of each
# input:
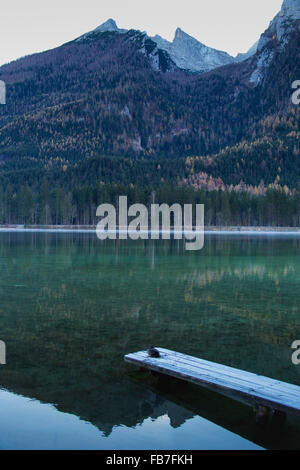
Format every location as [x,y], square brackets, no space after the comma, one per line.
[72,306]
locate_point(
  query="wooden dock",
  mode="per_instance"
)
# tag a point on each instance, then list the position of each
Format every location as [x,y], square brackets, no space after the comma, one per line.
[253,389]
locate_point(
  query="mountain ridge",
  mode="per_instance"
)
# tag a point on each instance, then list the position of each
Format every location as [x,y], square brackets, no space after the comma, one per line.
[185,51]
[120,95]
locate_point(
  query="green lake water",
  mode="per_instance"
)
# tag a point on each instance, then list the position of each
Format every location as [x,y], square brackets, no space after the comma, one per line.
[72,306]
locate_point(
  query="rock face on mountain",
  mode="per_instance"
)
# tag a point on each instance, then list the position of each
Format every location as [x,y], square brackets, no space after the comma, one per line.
[190,54]
[276,37]
[280,27]
[158,58]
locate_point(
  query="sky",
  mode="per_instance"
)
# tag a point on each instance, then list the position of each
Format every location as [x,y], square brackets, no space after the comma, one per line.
[36,25]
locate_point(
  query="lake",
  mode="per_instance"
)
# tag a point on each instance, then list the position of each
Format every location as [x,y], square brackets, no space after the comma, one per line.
[72,306]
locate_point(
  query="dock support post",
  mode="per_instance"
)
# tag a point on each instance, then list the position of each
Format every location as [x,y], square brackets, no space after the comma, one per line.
[262,415]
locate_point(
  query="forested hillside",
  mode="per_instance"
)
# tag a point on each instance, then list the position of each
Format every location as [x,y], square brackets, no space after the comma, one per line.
[112,112]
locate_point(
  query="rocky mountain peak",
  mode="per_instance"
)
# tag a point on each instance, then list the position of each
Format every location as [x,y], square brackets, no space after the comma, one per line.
[109,25]
[190,54]
[180,35]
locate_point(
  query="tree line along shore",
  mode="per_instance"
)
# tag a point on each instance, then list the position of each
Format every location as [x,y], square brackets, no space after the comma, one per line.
[77,206]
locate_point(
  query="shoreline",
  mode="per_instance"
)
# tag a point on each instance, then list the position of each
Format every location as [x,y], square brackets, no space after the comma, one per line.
[92,228]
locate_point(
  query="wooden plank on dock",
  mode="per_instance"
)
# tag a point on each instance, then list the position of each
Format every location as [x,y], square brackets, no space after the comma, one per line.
[251,388]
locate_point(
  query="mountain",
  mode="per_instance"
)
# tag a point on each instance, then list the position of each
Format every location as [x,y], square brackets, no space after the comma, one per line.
[190,54]
[114,93]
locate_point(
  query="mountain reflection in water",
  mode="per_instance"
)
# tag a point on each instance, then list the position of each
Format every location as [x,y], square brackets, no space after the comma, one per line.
[29,424]
[72,306]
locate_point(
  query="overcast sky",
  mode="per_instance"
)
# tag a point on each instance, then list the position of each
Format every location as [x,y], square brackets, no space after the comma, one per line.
[28,26]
